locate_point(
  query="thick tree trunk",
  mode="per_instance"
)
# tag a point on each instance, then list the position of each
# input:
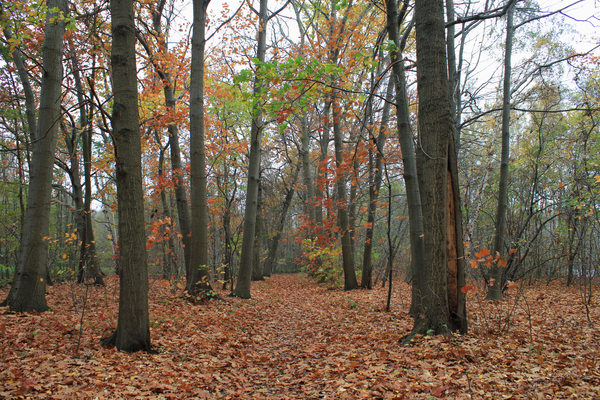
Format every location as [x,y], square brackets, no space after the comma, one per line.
[242,287]
[28,290]
[198,279]
[439,297]
[495,275]
[133,326]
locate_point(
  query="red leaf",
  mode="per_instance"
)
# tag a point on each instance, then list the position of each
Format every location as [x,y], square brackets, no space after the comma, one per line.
[467,288]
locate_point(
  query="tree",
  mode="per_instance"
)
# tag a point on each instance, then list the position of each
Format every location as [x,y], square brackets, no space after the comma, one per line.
[133,326]
[375,177]
[88,259]
[198,276]
[242,287]
[161,67]
[495,276]
[269,268]
[441,310]
[257,272]
[28,290]
[409,161]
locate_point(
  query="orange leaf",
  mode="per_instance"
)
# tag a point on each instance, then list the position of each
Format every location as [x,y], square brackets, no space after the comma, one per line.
[483,252]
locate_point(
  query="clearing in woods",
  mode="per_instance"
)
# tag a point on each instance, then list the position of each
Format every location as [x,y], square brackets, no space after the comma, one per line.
[296,339]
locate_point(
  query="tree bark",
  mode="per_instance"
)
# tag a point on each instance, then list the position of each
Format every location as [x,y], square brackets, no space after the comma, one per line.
[409,161]
[257,273]
[307,171]
[169,257]
[343,218]
[88,259]
[375,175]
[133,326]
[242,287]
[30,108]
[438,193]
[198,279]
[28,290]
[495,275]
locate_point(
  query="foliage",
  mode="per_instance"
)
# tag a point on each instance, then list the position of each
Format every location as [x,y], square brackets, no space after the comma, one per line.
[323,263]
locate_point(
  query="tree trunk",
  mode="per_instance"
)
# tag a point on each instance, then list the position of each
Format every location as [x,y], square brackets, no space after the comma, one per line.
[198,279]
[88,259]
[257,274]
[343,218]
[280,226]
[307,171]
[183,211]
[133,326]
[228,250]
[375,175]
[495,275]
[169,258]
[438,191]
[28,290]
[242,287]
[320,186]
[409,161]
[30,108]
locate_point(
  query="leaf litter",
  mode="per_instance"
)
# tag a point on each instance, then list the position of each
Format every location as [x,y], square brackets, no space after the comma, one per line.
[296,339]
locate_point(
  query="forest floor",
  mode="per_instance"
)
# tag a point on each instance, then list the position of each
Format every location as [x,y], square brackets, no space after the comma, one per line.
[296,339]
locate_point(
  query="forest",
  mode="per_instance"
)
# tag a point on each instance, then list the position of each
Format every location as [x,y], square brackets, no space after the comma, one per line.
[299,199]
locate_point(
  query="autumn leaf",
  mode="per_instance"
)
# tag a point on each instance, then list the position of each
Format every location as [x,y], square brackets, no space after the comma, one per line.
[468,288]
[482,253]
